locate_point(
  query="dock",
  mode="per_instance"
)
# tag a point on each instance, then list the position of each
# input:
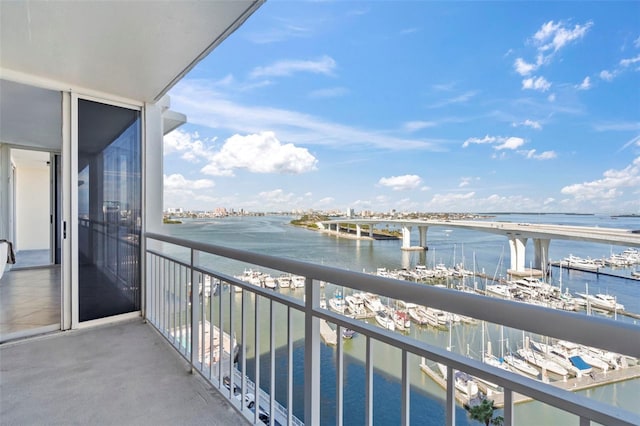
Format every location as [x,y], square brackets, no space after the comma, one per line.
[436,377]
[328,334]
[577,384]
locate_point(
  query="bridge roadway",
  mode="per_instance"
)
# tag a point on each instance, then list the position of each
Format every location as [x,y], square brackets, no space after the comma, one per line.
[517,233]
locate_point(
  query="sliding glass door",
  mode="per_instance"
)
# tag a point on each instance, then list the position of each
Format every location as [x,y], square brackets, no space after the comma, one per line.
[109,209]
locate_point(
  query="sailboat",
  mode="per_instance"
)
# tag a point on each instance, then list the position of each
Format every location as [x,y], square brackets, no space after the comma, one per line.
[464,382]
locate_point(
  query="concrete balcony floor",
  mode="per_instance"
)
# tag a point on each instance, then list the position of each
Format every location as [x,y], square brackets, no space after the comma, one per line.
[118,374]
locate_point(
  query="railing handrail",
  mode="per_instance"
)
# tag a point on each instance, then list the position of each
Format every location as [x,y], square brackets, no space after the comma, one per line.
[598,332]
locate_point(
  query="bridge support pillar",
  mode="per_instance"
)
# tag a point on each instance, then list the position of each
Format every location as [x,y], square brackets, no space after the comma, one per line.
[406,237]
[517,246]
[541,253]
[423,236]
[371,226]
[358,230]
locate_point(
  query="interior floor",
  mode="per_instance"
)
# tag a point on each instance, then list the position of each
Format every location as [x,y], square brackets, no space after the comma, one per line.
[29,298]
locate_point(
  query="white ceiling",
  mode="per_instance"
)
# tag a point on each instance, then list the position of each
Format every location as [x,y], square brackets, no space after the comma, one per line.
[132,49]
[135,50]
[30,116]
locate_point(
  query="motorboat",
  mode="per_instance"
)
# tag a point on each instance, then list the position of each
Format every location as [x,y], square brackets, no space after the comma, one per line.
[401,318]
[604,301]
[355,303]
[385,320]
[337,303]
[373,303]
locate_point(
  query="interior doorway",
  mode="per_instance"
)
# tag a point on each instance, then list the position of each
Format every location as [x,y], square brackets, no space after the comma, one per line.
[31,192]
[32,208]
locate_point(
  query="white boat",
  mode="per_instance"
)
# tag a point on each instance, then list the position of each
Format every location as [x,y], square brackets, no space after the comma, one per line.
[565,354]
[465,383]
[355,303]
[499,290]
[401,318]
[269,282]
[385,320]
[436,317]
[520,365]
[575,262]
[544,363]
[284,281]
[298,281]
[337,303]
[418,315]
[373,303]
[604,301]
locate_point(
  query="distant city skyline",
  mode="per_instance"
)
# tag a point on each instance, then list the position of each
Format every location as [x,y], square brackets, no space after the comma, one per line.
[414,106]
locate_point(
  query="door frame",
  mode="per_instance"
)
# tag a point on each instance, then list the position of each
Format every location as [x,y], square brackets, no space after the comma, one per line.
[71,307]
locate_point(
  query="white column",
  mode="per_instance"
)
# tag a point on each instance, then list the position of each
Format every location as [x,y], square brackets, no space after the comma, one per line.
[541,256]
[517,246]
[371,226]
[358,230]
[406,236]
[423,235]
[152,168]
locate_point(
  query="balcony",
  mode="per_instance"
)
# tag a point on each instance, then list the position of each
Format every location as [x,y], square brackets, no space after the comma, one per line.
[121,373]
[129,373]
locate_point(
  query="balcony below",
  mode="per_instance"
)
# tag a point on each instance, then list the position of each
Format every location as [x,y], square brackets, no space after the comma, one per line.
[121,373]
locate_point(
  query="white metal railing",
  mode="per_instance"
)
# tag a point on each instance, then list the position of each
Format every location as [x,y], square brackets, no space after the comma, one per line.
[168,308]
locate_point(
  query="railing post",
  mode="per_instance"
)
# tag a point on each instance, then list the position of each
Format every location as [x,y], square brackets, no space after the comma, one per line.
[508,407]
[406,389]
[311,355]
[451,397]
[194,311]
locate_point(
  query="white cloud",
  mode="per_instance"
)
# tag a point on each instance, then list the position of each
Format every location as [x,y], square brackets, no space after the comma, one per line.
[528,123]
[510,143]
[607,75]
[325,65]
[177,182]
[549,39]
[524,68]
[585,85]
[555,35]
[331,92]
[401,183]
[551,97]
[259,153]
[636,42]
[533,83]
[412,126]
[460,99]
[486,139]
[326,201]
[466,181]
[499,142]
[546,155]
[449,200]
[629,61]
[609,187]
[209,107]
[276,196]
[188,144]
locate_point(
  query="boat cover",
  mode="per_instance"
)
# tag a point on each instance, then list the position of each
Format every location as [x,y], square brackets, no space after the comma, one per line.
[579,363]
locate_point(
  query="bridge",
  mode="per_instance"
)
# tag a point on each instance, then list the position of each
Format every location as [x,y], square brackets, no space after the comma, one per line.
[517,233]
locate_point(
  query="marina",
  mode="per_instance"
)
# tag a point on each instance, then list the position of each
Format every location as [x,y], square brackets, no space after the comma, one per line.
[466,335]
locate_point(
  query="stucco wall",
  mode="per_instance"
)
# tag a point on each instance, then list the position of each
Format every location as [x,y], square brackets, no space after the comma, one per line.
[32,208]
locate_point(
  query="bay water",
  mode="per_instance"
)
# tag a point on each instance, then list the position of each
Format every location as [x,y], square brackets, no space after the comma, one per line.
[485,252]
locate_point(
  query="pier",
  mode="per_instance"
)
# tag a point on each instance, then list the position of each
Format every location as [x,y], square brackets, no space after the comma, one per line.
[578,383]
[328,334]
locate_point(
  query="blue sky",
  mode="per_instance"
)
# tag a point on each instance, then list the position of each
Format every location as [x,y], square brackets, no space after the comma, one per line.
[414,106]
